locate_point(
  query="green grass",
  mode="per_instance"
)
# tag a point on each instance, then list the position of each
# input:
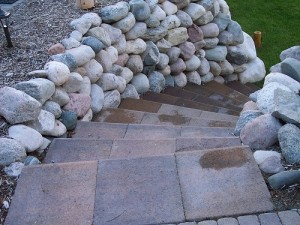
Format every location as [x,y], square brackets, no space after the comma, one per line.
[278,20]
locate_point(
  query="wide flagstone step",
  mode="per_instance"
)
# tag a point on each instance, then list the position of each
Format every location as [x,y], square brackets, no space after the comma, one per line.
[113,115]
[64,150]
[189,95]
[172,100]
[213,94]
[242,88]
[227,91]
[156,107]
[98,130]
[168,189]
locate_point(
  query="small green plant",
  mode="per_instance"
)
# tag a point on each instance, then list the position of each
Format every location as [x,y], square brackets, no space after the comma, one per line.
[277,20]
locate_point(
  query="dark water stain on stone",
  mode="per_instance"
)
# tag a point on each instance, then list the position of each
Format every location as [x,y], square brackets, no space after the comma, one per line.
[221,159]
[174,119]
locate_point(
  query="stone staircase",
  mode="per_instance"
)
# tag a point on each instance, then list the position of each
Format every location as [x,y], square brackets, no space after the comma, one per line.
[167,158]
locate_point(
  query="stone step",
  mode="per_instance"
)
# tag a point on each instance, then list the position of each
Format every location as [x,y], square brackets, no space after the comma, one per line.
[178,92]
[238,86]
[64,150]
[97,130]
[227,91]
[113,115]
[168,99]
[168,189]
[155,107]
[201,89]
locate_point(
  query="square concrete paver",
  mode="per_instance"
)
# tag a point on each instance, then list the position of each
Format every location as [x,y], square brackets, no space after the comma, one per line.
[248,220]
[55,194]
[269,218]
[127,148]
[220,183]
[73,150]
[138,191]
[289,217]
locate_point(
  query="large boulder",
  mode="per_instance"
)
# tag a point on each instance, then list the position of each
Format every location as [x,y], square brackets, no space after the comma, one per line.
[255,71]
[293,52]
[283,79]
[291,67]
[114,13]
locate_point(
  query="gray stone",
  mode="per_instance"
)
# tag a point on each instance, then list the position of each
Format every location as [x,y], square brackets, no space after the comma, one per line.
[14,169]
[180,80]
[235,29]
[192,64]
[108,81]
[100,34]
[185,19]
[276,68]
[141,83]
[76,35]
[261,132]
[148,69]
[187,50]
[289,217]
[163,61]
[207,78]
[266,96]
[219,79]
[169,7]
[169,81]
[151,55]
[152,4]
[173,54]
[166,71]
[171,22]
[217,54]
[113,52]
[46,143]
[271,165]
[28,137]
[17,106]
[74,82]
[11,151]
[39,88]
[222,20]
[181,3]
[163,46]
[211,42]
[121,45]
[81,24]
[291,67]
[207,4]
[70,42]
[114,13]
[112,99]
[94,43]
[93,17]
[177,36]
[255,72]
[249,106]
[205,19]
[31,160]
[228,221]
[210,30]
[140,9]
[194,77]
[60,96]
[156,82]
[239,68]
[130,92]
[225,38]
[94,70]
[85,86]
[152,22]
[293,52]
[287,106]
[204,67]
[208,222]
[269,218]
[178,67]
[126,23]
[97,98]
[245,117]
[135,64]
[194,10]
[283,79]
[66,59]
[215,68]
[138,30]
[43,123]
[69,119]
[126,74]
[82,54]
[59,129]
[53,108]
[226,68]
[159,13]
[114,34]
[58,72]
[136,47]
[248,220]
[284,179]
[289,139]
[155,34]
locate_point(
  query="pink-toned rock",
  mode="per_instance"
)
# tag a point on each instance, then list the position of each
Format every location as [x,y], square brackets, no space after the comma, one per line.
[178,67]
[195,33]
[79,103]
[249,106]
[122,59]
[187,50]
[210,30]
[56,49]
[261,132]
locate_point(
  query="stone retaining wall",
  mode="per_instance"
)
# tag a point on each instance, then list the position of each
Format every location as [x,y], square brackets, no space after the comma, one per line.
[125,50]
